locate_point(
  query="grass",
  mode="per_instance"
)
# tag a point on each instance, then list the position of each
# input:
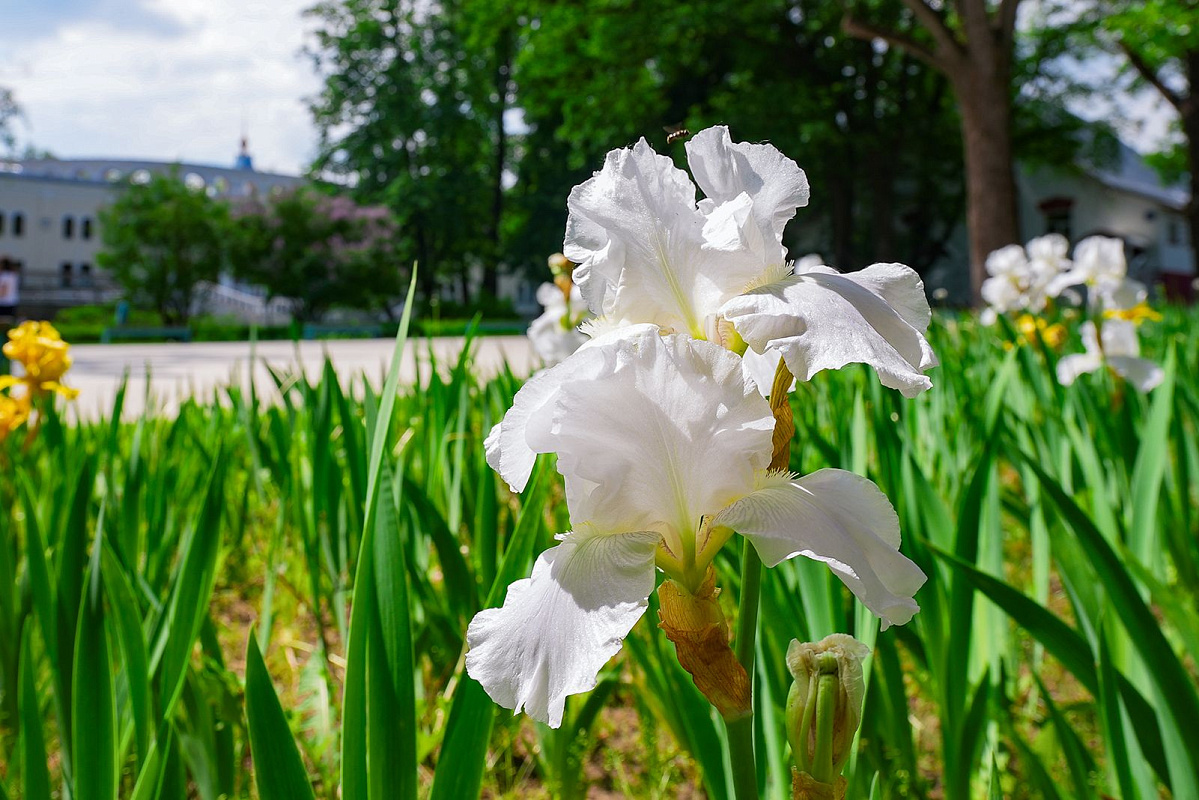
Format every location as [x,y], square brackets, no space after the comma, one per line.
[268,596]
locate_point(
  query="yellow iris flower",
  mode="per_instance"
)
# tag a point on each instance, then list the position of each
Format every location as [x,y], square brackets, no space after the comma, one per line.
[1136,315]
[44,357]
[1033,327]
[13,413]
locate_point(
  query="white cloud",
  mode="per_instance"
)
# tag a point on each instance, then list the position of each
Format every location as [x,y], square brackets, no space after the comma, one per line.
[166,79]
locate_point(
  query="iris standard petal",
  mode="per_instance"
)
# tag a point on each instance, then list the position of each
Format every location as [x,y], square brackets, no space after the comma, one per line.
[637,235]
[774,183]
[825,320]
[838,518]
[558,628]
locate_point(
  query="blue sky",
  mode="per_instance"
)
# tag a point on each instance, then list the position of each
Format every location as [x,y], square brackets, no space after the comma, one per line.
[179,79]
[164,79]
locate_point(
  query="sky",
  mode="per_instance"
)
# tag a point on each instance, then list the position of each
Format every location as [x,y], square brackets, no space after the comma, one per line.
[181,79]
[162,79]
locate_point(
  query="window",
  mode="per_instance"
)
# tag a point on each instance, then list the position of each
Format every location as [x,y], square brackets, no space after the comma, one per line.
[1057,215]
[85,228]
[66,274]
[1173,231]
[18,224]
[85,274]
[68,227]
[1,223]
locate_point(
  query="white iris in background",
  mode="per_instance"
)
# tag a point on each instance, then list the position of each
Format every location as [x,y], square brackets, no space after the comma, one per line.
[1021,276]
[664,444]
[1120,350]
[716,269]
[1099,264]
[555,334]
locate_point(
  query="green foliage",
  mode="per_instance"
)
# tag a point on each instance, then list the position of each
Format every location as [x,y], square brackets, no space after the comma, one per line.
[319,251]
[160,240]
[358,528]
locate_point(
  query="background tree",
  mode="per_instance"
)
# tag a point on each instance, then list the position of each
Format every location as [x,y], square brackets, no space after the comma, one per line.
[319,252]
[1160,41]
[410,116]
[9,112]
[594,75]
[970,42]
[160,239]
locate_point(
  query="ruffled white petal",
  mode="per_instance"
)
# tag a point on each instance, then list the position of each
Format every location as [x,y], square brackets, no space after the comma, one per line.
[668,431]
[824,320]
[558,628]
[638,237]
[1007,260]
[841,519]
[507,445]
[774,183]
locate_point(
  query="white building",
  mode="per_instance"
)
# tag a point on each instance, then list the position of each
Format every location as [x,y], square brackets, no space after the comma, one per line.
[49,218]
[1126,199]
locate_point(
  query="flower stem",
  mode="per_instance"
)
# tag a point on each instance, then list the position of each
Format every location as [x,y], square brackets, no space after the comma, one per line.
[741,731]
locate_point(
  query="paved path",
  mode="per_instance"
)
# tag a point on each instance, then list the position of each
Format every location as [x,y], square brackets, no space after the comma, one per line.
[177,371]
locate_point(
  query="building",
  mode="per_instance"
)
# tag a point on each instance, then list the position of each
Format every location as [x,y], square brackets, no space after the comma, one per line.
[49,217]
[1124,198]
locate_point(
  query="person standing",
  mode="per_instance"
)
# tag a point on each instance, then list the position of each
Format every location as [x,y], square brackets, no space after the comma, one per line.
[10,288]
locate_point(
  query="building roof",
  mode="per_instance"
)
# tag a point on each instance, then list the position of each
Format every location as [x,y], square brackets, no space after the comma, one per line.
[1130,173]
[219,181]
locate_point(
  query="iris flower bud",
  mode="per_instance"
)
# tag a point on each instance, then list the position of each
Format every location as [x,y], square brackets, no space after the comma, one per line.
[824,709]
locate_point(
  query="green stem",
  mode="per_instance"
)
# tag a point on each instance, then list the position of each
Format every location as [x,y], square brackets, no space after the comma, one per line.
[741,731]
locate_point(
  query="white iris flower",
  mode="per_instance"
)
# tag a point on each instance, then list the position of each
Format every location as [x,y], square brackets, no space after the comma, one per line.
[1020,277]
[1100,265]
[555,334]
[1120,349]
[664,444]
[716,269]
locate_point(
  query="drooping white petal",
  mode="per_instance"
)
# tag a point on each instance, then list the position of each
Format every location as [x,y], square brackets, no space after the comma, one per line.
[1122,348]
[841,519]
[825,320]
[507,445]
[558,628]
[1142,373]
[638,237]
[1119,338]
[1070,367]
[1120,293]
[774,183]
[669,431]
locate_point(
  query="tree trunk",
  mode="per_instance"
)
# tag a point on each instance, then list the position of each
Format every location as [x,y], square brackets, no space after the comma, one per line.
[991,216]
